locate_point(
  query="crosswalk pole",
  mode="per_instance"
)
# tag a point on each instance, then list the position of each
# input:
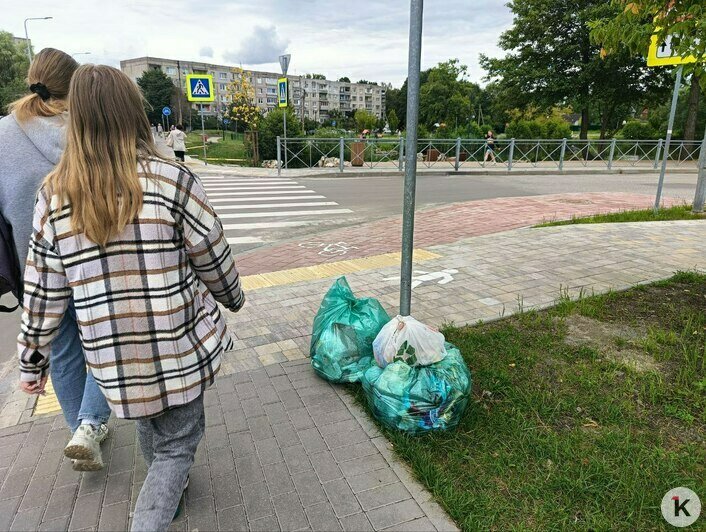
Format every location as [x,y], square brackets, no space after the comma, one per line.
[203,137]
[410,178]
[667,140]
[279,155]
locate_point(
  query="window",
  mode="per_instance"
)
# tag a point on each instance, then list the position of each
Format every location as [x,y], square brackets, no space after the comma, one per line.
[271,90]
[271,100]
[260,100]
[171,71]
[271,81]
[222,86]
[223,75]
[259,91]
[259,81]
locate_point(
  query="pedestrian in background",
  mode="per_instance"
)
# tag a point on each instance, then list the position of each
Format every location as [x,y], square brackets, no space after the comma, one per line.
[134,240]
[160,130]
[489,147]
[31,142]
[177,141]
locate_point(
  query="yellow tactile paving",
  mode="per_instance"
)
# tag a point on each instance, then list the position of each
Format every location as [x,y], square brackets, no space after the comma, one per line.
[48,404]
[331,269]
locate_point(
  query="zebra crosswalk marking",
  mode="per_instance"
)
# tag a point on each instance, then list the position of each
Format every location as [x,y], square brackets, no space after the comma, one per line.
[265,207]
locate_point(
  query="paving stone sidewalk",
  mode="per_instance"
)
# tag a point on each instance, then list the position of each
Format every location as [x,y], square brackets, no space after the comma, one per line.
[272,422]
[495,275]
[284,450]
[440,225]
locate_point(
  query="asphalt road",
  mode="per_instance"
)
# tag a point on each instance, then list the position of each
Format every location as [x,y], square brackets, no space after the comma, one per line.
[260,212]
[375,197]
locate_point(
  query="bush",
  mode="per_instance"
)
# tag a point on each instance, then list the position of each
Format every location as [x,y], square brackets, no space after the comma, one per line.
[638,130]
[271,127]
[539,128]
[332,148]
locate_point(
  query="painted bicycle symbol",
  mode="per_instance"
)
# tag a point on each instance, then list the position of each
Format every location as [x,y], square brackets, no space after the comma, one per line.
[333,249]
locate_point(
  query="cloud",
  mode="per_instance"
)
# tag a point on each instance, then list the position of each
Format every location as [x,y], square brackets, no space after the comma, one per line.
[206,51]
[263,46]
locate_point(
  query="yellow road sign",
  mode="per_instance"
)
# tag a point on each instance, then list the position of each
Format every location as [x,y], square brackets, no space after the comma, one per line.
[282,92]
[199,88]
[661,53]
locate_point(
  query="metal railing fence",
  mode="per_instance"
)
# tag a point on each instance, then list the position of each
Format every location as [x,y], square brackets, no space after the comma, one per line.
[459,154]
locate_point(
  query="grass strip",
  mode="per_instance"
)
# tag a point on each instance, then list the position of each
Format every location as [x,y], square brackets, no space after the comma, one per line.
[583,415]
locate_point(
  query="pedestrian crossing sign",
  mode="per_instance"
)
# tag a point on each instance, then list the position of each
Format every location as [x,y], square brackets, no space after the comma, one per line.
[282,92]
[199,88]
[662,54]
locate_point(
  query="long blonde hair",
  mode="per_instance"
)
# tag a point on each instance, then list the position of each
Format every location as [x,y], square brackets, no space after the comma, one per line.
[53,69]
[107,135]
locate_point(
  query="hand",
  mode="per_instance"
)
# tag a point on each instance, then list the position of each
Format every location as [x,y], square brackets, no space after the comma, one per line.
[34,387]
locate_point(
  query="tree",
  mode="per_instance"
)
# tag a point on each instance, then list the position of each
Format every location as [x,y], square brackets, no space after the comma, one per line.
[392,120]
[13,70]
[366,82]
[343,119]
[633,25]
[365,120]
[314,76]
[157,89]
[271,127]
[552,60]
[345,79]
[393,102]
[446,96]
[241,107]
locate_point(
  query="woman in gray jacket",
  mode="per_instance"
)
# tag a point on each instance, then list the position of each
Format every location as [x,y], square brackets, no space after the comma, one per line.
[31,143]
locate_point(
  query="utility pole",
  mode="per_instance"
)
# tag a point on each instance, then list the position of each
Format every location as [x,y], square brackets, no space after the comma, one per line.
[181,119]
[410,178]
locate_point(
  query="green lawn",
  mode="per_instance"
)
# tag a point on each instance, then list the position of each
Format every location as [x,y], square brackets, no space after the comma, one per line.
[681,212]
[228,151]
[582,416]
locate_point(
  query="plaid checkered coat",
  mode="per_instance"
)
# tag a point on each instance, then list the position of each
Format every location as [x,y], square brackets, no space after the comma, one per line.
[151,330]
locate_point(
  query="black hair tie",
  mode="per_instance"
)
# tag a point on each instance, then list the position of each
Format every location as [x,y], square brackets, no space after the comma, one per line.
[41,90]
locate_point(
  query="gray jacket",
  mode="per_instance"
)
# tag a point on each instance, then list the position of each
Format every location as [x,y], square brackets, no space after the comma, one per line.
[28,152]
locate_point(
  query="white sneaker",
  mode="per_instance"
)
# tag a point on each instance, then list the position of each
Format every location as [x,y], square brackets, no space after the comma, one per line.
[84,447]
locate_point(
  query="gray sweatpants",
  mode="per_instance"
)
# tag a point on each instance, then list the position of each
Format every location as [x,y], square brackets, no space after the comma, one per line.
[168,443]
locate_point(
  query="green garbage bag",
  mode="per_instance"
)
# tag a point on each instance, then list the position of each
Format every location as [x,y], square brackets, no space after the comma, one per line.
[344,330]
[418,399]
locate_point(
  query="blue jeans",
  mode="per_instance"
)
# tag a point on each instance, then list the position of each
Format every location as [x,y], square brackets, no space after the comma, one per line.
[76,389]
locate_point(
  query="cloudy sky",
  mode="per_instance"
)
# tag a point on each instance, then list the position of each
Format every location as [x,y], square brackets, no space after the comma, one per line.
[355,38]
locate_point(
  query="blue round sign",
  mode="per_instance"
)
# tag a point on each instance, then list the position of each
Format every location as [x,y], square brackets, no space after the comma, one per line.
[226,121]
[166,111]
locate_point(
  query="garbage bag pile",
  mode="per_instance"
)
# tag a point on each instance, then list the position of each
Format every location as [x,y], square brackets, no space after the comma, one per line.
[419,399]
[413,379]
[344,330]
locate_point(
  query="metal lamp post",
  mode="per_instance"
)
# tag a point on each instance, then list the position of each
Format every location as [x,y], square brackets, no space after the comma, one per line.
[29,48]
[410,178]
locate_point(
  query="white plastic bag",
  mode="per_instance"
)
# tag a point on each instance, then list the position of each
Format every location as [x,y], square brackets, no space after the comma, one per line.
[407,340]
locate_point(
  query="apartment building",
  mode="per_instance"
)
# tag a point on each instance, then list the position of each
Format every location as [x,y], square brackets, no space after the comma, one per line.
[312,98]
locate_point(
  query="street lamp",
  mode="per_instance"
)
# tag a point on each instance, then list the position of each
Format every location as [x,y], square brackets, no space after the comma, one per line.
[80,53]
[29,48]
